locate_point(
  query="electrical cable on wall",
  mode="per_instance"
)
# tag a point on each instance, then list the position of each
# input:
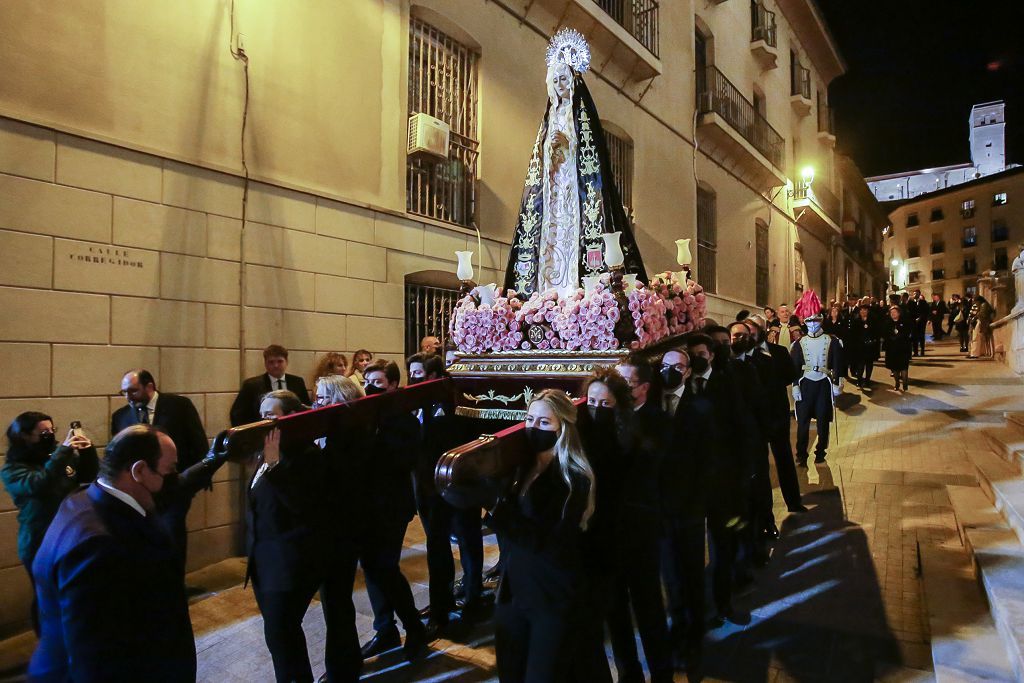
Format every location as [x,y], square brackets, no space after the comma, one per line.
[238,53]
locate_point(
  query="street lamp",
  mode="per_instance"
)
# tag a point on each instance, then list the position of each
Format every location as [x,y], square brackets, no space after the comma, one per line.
[807,175]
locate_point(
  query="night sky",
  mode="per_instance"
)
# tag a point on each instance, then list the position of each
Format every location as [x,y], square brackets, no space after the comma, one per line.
[914,69]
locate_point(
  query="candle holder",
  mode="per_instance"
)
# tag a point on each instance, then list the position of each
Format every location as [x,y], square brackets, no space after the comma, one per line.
[464,271]
[683,258]
[613,258]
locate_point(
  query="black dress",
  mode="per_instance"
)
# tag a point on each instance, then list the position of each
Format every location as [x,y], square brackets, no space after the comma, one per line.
[543,581]
[897,344]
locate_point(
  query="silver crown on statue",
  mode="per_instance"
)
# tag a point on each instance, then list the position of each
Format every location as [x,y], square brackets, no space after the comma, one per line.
[568,46]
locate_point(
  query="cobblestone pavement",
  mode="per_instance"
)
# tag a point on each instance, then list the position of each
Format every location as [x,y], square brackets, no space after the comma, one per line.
[840,600]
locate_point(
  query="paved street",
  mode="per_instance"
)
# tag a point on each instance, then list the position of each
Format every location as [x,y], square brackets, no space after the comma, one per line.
[841,599]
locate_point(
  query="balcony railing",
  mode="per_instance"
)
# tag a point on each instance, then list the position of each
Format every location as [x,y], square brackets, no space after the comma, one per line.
[913,252]
[967,212]
[939,274]
[638,17]
[826,119]
[715,94]
[762,23]
[820,195]
[969,242]
[801,81]
[970,268]
[938,247]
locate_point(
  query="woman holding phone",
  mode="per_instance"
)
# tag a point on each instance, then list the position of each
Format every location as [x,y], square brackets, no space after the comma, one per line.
[39,473]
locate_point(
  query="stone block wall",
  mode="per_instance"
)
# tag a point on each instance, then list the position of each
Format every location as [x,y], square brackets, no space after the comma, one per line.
[114,259]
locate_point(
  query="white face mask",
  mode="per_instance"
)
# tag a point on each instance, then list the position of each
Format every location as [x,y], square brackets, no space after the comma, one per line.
[813,328]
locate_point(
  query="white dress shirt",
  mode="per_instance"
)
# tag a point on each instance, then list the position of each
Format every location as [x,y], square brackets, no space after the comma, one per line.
[126,498]
[275,380]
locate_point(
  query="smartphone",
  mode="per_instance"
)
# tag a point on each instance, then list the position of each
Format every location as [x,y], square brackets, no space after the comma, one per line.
[76,428]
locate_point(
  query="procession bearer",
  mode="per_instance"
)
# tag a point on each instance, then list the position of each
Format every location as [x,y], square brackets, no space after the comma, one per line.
[818,360]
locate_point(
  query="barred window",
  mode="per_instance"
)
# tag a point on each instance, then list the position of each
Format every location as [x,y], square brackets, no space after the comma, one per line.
[761,264]
[443,84]
[707,241]
[430,299]
[620,155]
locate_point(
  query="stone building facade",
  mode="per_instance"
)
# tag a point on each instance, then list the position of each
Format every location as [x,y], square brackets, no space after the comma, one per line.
[180,185]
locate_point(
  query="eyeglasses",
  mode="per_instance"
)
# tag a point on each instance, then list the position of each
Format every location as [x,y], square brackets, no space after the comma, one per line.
[678,366]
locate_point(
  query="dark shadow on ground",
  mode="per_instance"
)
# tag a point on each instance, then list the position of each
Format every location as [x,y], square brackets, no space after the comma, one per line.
[437,665]
[817,612]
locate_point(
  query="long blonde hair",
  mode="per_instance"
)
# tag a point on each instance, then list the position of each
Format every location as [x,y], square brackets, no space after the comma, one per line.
[342,389]
[569,449]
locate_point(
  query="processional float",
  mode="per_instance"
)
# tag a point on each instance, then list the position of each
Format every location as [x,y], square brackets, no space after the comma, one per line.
[576,297]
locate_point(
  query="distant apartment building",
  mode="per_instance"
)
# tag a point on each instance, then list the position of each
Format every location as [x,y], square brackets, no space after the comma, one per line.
[988,156]
[943,241]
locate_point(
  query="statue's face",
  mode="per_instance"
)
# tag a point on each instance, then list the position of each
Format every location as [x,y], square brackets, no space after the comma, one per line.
[560,81]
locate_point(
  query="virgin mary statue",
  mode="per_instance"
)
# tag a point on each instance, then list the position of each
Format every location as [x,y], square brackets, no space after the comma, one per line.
[570,199]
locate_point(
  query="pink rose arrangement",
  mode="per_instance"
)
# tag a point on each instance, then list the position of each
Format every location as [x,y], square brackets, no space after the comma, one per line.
[581,321]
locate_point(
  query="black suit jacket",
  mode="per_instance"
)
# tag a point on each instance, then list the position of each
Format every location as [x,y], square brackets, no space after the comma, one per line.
[111,597]
[246,407]
[690,454]
[284,521]
[177,416]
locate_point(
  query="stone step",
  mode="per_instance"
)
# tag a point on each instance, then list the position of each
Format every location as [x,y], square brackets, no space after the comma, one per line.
[1004,487]
[973,510]
[965,643]
[1015,418]
[1008,442]
[999,563]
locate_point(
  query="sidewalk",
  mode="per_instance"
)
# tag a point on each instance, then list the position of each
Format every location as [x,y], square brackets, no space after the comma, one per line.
[840,600]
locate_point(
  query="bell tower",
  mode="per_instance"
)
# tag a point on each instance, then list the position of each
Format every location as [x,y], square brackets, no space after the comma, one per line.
[988,137]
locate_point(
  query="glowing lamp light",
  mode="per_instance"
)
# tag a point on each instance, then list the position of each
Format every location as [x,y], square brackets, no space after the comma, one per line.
[683,256]
[895,262]
[807,175]
[465,269]
[613,257]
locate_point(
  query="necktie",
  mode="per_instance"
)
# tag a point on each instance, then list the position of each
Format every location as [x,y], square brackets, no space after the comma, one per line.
[280,384]
[671,401]
[143,414]
[700,385]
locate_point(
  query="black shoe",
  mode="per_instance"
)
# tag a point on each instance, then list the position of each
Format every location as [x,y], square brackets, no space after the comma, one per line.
[435,629]
[801,462]
[416,640]
[382,641]
[772,531]
[425,612]
[797,508]
[819,458]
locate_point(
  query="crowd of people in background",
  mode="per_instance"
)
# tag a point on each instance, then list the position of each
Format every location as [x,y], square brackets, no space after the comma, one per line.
[667,462]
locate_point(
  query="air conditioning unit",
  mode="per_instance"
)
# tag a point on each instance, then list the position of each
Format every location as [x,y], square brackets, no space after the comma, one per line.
[428,135]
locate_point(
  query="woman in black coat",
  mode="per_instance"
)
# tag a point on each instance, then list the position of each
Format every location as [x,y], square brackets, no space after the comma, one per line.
[897,346]
[862,346]
[38,474]
[285,539]
[540,523]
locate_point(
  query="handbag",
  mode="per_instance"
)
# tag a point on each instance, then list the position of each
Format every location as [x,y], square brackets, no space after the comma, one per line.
[959,317]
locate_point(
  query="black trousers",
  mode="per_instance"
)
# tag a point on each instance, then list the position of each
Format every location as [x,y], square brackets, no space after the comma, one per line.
[532,646]
[723,545]
[862,368]
[815,402]
[34,613]
[937,331]
[684,578]
[785,467]
[380,551]
[439,520]
[964,336]
[342,657]
[761,502]
[637,593]
[917,336]
[282,628]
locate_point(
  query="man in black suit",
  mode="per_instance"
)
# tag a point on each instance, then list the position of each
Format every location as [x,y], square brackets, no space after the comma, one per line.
[937,314]
[111,593]
[777,375]
[919,312]
[440,432]
[177,417]
[246,407]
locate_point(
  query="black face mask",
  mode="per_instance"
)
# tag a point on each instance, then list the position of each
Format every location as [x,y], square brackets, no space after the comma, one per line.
[168,492]
[46,443]
[415,380]
[739,347]
[699,365]
[373,389]
[602,415]
[671,378]
[540,440]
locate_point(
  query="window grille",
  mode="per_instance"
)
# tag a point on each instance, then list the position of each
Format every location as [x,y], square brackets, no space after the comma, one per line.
[761,265]
[428,311]
[443,84]
[970,236]
[707,241]
[620,155]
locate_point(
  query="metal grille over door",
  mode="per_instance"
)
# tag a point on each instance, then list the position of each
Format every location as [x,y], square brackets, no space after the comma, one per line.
[428,311]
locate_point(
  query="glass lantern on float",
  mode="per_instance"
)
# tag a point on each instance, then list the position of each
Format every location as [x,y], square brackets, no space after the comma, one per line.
[464,271]
[684,259]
